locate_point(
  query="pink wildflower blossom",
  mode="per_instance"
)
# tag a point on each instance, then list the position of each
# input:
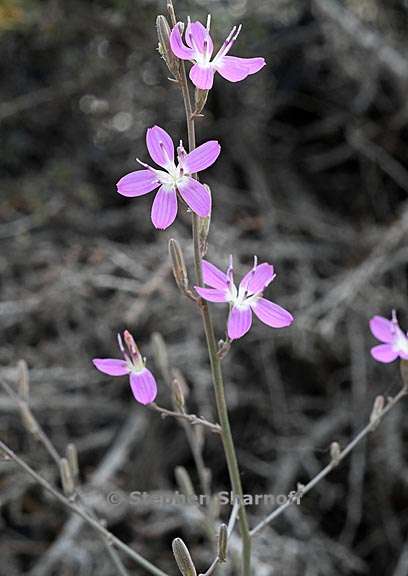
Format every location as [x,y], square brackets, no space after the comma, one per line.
[142,381]
[199,49]
[174,178]
[395,341]
[245,299]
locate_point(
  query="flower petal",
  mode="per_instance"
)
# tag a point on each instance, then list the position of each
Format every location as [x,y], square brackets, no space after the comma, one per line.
[235,69]
[382,329]
[202,76]
[384,353]
[259,278]
[111,366]
[196,196]
[137,183]
[272,314]
[212,294]
[199,39]
[164,208]
[177,45]
[213,276]
[160,146]
[239,322]
[202,157]
[143,386]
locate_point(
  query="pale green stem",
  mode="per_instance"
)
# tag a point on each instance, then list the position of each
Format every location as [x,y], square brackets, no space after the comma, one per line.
[215,362]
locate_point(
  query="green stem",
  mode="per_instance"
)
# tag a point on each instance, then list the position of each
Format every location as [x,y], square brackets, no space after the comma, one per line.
[215,362]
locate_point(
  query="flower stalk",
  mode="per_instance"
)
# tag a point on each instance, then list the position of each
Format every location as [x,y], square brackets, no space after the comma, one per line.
[215,362]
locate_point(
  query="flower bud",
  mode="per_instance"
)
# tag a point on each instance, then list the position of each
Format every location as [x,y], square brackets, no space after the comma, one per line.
[376,412]
[404,373]
[67,480]
[183,558]
[72,457]
[200,99]
[28,419]
[222,542]
[178,265]
[335,453]
[184,481]
[23,381]
[160,355]
[203,230]
[163,34]
[178,392]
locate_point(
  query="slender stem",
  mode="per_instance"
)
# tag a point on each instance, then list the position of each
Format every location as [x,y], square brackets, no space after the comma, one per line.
[84,515]
[371,426]
[191,418]
[216,370]
[37,431]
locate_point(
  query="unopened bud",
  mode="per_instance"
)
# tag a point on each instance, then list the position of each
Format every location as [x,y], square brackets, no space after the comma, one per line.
[200,99]
[335,453]
[28,419]
[223,348]
[163,34]
[404,373]
[23,381]
[376,412]
[178,265]
[72,457]
[160,355]
[67,480]
[183,558]
[184,481]
[222,542]
[203,229]
[178,394]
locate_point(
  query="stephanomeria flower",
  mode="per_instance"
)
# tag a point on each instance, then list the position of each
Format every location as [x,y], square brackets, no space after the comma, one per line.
[395,341]
[142,381]
[199,49]
[245,299]
[174,178]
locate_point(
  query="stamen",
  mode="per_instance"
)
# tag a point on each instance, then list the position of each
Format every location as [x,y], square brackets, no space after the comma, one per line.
[226,47]
[122,348]
[208,22]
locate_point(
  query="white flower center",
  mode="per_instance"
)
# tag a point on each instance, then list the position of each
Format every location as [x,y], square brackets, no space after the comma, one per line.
[174,176]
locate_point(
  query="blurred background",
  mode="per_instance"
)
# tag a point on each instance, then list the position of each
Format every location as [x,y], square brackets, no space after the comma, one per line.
[313,177]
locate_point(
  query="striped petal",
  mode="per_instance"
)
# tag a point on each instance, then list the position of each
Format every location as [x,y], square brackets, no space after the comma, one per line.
[213,276]
[196,196]
[382,329]
[111,366]
[384,353]
[235,69]
[164,208]
[212,294]
[137,183]
[272,314]
[202,157]
[177,45]
[239,322]
[160,146]
[202,76]
[143,386]
[258,278]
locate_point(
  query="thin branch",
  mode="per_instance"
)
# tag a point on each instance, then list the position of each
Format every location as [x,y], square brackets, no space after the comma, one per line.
[192,418]
[140,560]
[302,491]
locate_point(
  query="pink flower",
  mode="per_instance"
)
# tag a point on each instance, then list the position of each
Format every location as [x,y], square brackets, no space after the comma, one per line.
[142,381]
[395,342]
[173,178]
[244,300]
[199,49]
